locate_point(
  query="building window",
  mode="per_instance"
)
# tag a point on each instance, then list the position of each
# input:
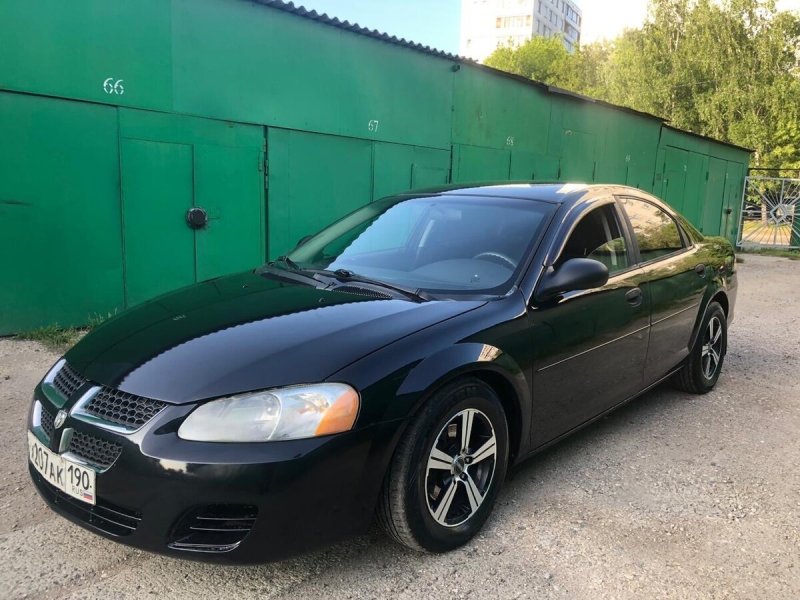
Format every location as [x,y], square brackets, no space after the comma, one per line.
[498,23]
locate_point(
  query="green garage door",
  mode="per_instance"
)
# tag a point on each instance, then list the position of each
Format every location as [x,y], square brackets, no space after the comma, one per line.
[60,247]
[532,166]
[475,163]
[315,179]
[734,184]
[674,182]
[714,197]
[578,157]
[399,168]
[171,164]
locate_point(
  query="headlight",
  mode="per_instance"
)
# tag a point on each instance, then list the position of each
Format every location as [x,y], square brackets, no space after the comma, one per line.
[289,413]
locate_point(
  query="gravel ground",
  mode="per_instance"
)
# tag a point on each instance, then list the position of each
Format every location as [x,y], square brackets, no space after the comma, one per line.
[673,496]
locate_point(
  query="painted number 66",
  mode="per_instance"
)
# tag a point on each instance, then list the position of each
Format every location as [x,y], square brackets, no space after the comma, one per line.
[113,86]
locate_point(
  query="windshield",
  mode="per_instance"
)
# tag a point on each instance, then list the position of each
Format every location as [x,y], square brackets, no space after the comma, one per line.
[449,244]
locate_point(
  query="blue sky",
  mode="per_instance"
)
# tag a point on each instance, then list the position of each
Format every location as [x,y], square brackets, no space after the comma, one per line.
[430,22]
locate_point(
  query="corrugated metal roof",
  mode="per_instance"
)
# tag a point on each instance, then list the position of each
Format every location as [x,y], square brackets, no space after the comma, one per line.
[705,137]
[290,7]
[313,15]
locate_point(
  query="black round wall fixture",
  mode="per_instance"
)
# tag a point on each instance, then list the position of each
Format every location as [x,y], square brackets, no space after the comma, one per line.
[197,218]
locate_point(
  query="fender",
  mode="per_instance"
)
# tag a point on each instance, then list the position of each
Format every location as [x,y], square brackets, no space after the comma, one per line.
[486,362]
[718,284]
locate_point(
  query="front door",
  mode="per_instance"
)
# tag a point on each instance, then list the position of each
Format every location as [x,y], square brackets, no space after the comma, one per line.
[590,345]
[172,165]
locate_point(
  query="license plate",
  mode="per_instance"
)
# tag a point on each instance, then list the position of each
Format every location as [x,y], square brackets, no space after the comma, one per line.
[70,477]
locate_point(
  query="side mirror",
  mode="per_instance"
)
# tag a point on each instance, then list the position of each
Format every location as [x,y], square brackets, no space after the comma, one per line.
[574,274]
[303,240]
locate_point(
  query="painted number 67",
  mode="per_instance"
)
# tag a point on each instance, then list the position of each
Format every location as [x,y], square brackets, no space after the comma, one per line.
[113,86]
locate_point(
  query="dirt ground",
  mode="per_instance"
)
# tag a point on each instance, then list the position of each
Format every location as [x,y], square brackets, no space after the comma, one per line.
[673,496]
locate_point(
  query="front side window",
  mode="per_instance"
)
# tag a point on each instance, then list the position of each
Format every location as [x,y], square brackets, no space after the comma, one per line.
[438,244]
[656,232]
[598,236]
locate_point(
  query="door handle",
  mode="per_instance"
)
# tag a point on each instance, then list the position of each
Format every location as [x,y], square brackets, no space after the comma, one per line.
[700,270]
[634,296]
[196,218]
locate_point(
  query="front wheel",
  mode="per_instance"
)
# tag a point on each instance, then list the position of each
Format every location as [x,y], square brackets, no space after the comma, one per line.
[447,470]
[701,371]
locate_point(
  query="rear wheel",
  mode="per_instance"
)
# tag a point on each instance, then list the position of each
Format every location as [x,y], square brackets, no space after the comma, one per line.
[447,470]
[701,371]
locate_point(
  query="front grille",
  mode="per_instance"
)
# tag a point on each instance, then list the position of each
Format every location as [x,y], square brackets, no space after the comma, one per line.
[105,516]
[46,422]
[67,381]
[122,408]
[216,528]
[95,451]
[359,291]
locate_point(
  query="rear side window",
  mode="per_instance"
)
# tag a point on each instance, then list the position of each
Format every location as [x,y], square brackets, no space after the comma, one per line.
[655,231]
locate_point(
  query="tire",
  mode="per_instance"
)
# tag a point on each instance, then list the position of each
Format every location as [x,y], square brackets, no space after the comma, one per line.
[701,370]
[415,494]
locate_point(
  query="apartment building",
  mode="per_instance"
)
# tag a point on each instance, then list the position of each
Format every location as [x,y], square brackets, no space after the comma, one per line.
[488,24]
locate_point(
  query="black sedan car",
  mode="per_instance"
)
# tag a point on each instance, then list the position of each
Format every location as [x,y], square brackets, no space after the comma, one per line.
[396,364]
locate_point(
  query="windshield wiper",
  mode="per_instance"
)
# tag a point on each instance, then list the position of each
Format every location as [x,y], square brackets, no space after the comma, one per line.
[285,267]
[346,275]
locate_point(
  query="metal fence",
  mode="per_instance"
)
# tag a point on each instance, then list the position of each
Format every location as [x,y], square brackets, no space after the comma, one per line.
[770,213]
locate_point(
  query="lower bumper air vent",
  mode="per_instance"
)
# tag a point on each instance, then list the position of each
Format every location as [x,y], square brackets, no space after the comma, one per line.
[216,528]
[103,515]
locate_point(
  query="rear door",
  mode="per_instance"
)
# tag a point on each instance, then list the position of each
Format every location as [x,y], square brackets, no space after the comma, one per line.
[674,281]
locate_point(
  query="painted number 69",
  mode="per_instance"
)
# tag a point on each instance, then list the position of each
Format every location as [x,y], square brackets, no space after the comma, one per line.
[113,86]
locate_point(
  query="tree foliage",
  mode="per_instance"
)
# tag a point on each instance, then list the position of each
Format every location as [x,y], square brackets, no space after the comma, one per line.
[729,69]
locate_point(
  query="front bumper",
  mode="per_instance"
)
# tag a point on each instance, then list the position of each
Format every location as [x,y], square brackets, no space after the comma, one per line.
[275,499]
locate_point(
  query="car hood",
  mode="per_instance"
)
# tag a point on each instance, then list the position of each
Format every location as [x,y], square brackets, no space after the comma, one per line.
[245,332]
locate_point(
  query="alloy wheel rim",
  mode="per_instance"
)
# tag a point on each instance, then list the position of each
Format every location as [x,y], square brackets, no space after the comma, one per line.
[460,467]
[711,354]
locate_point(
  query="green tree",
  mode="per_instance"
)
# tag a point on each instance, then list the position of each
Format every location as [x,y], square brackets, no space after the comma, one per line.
[727,69]
[541,58]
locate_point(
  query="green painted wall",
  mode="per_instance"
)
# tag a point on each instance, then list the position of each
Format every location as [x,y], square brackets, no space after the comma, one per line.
[70,49]
[116,117]
[60,221]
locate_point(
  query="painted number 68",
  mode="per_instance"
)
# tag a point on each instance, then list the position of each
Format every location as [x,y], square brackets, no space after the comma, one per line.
[113,86]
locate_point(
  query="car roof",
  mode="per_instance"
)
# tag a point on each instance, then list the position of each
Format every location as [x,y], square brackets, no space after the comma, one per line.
[552,192]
